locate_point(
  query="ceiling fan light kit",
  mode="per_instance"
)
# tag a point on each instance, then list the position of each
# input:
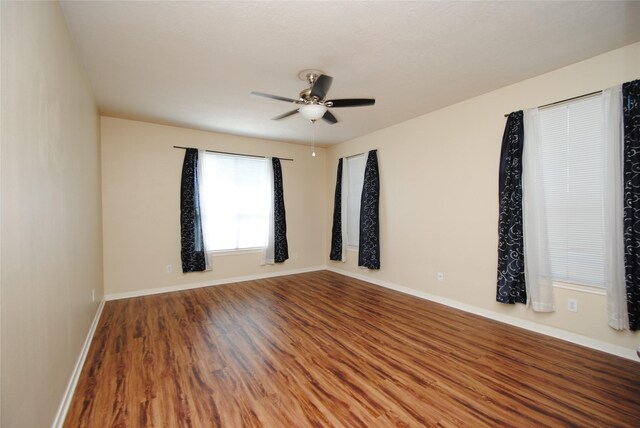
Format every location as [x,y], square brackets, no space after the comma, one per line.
[312,100]
[312,111]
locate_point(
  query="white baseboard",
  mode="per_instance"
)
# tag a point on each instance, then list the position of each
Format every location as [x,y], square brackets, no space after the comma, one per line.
[209,283]
[517,322]
[75,375]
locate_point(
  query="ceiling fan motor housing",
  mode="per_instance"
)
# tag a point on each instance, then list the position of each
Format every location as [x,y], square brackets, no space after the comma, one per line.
[310,76]
[305,95]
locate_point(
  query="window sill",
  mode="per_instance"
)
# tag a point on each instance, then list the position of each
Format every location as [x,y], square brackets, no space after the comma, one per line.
[216,253]
[590,289]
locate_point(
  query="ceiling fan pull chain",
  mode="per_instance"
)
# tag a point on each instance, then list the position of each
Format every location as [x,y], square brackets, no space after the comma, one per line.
[313,141]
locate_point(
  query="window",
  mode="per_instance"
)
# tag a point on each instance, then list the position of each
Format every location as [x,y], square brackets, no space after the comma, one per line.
[235,201]
[573,161]
[355,181]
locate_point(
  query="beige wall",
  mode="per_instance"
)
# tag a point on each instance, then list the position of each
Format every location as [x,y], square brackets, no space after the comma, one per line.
[141,205]
[438,206]
[439,195]
[51,214]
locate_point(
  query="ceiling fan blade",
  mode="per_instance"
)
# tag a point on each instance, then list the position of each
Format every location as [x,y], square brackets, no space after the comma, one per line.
[274,97]
[283,115]
[352,102]
[321,86]
[330,118]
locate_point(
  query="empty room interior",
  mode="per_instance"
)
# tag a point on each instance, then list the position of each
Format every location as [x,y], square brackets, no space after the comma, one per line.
[320,213]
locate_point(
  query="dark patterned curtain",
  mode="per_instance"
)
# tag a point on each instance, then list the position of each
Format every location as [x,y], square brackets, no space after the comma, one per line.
[193,251]
[280,246]
[369,251]
[511,280]
[336,230]
[631,120]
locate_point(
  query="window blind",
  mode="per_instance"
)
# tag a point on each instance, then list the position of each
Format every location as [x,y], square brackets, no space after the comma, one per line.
[573,157]
[235,201]
[354,195]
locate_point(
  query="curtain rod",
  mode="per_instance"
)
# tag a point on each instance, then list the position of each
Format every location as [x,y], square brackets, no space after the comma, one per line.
[233,154]
[566,100]
[353,156]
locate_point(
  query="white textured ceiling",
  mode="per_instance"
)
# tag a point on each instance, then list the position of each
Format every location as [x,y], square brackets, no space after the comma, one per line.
[194,64]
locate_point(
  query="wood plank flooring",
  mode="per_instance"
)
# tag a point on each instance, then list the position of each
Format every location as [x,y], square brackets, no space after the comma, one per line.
[322,350]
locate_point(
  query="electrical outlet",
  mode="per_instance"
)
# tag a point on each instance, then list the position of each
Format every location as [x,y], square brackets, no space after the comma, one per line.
[440,276]
[572,305]
[169,268]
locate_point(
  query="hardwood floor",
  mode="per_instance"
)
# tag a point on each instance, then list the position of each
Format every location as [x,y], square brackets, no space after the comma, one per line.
[321,349]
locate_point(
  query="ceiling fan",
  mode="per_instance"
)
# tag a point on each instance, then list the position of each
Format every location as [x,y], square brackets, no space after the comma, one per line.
[312,102]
